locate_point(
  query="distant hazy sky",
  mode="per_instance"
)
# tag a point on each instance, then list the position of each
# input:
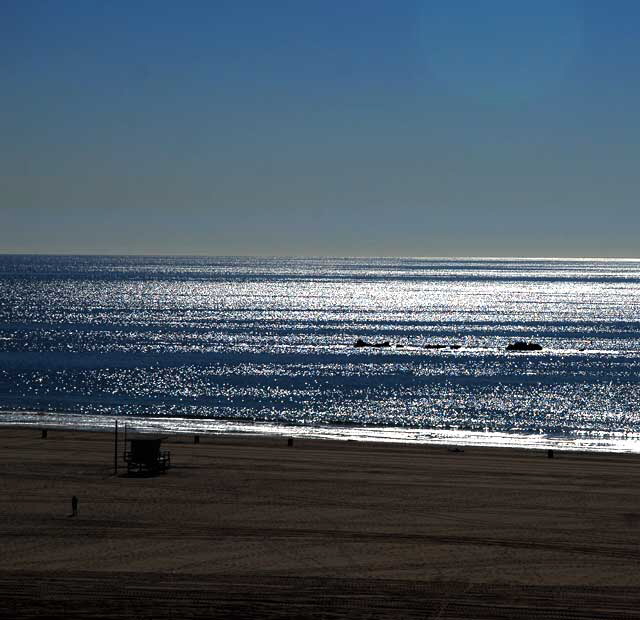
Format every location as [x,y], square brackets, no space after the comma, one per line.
[371,127]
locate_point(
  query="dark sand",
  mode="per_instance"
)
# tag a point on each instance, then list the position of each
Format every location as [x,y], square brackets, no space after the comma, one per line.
[248,527]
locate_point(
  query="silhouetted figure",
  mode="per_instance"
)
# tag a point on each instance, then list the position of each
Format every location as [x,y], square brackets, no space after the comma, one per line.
[74,506]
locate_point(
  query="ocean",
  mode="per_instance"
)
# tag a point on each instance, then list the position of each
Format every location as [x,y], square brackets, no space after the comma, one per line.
[240,344]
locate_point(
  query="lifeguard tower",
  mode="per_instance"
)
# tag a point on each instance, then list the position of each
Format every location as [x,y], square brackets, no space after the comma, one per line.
[145,455]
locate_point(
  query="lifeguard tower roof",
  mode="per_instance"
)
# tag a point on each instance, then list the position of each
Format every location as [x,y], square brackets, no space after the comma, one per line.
[146,437]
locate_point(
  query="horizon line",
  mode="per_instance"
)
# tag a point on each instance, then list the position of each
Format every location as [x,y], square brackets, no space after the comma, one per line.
[317,256]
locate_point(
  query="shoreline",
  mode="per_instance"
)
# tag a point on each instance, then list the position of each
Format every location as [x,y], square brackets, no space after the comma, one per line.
[248,525]
[618,443]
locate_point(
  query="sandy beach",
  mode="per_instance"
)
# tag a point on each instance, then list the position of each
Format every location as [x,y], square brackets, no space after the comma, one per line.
[249,527]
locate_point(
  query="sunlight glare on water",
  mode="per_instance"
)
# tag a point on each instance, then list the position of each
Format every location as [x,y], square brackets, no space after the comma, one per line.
[260,341]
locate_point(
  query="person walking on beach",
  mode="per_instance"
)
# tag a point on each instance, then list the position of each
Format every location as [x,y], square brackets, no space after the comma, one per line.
[74,506]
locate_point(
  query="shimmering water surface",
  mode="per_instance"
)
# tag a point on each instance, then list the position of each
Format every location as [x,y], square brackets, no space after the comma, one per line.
[208,342]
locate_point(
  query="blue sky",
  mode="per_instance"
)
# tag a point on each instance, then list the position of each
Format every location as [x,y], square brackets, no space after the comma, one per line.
[320,128]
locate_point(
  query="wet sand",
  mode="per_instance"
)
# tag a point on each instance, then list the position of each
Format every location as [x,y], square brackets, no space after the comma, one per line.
[249,527]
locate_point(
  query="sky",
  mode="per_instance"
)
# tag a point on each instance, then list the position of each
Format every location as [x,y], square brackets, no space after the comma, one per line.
[326,127]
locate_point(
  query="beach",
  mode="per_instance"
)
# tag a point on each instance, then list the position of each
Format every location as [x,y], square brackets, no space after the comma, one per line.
[251,527]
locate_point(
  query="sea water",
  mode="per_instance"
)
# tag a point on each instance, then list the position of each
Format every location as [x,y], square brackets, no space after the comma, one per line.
[192,344]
